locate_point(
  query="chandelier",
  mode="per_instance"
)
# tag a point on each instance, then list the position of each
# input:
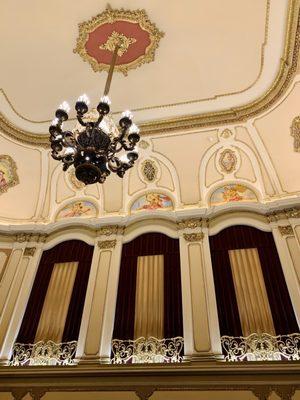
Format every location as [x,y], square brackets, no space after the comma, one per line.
[95,148]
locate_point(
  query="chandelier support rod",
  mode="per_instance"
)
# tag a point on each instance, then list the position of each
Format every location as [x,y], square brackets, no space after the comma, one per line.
[111,70]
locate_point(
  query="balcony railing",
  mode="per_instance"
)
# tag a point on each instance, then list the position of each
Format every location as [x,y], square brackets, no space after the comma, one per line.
[147,351]
[261,347]
[43,353]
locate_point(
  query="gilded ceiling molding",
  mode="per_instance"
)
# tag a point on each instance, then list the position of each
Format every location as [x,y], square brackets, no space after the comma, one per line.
[193,237]
[283,214]
[286,230]
[110,16]
[29,251]
[295,132]
[287,71]
[107,244]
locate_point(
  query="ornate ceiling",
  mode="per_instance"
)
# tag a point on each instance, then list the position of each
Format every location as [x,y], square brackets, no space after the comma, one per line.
[216,106]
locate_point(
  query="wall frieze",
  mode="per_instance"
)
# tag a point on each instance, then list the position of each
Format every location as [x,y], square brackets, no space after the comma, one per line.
[111,230]
[23,237]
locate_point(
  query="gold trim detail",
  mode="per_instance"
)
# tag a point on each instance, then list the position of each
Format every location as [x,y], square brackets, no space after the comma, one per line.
[13,170]
[110,230]
[22,237]
[229,165]
[226,133]
[109,16]
[107,244]
[286,230]
[149,170]
[193,237]
[115,39]
[192,223]
[295,132]
[29,251]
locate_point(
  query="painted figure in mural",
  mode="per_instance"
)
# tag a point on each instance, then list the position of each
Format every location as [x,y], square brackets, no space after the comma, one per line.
[233,193]
[155,201]
[3,181]
[77,209]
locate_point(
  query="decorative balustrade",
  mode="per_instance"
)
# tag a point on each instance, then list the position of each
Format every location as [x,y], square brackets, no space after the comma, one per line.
[261,347]
[147,351]
[43,353]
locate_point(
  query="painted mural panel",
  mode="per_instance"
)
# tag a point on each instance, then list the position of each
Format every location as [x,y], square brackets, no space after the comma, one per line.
[8,173]
[152,201]
[78,209]
[232,193]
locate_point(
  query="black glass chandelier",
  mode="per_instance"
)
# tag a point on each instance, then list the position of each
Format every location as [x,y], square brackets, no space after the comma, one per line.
[93,150]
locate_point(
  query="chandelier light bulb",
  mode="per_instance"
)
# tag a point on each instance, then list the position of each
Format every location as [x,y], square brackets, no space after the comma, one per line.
[84,98]
[64,106]
[69,151]
[127,114]
[134,129]
[105,99]
[54,122]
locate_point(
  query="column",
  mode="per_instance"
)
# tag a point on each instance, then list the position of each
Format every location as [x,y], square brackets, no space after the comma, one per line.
[94,342]
[22,266]
[200,318]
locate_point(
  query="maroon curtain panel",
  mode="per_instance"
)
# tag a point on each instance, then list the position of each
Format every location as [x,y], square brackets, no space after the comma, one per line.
[242,237]
[146,245]
[72,250]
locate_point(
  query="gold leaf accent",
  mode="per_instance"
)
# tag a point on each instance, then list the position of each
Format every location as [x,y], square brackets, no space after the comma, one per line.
[29,251]
[228,161]
[192,223]
[115,39]
[107,244]
[286,230]
[12,179]
[193,237]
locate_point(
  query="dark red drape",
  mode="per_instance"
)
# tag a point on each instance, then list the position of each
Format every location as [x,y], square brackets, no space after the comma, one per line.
[242,237]
[146,245]
[72,250]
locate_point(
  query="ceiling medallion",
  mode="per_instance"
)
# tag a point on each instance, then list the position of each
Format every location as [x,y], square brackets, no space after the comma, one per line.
[137,36]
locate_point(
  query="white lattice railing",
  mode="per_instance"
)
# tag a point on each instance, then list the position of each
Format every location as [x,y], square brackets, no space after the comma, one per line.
[43,353]
[261,347]
[147,351]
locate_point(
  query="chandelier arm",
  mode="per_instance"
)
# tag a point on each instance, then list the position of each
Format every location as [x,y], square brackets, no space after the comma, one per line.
[111,70]
[80,120]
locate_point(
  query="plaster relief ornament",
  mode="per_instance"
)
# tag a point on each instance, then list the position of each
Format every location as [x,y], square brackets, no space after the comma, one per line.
[227,161]
[295,132]
[137,36]
[226,134]
[8,173]
[149,170]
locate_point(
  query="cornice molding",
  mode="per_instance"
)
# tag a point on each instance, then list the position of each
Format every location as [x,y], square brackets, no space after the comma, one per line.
[287,71]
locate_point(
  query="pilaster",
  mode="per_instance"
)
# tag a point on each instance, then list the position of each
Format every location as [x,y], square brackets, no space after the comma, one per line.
[98,314]
[21,272]
[200,318]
